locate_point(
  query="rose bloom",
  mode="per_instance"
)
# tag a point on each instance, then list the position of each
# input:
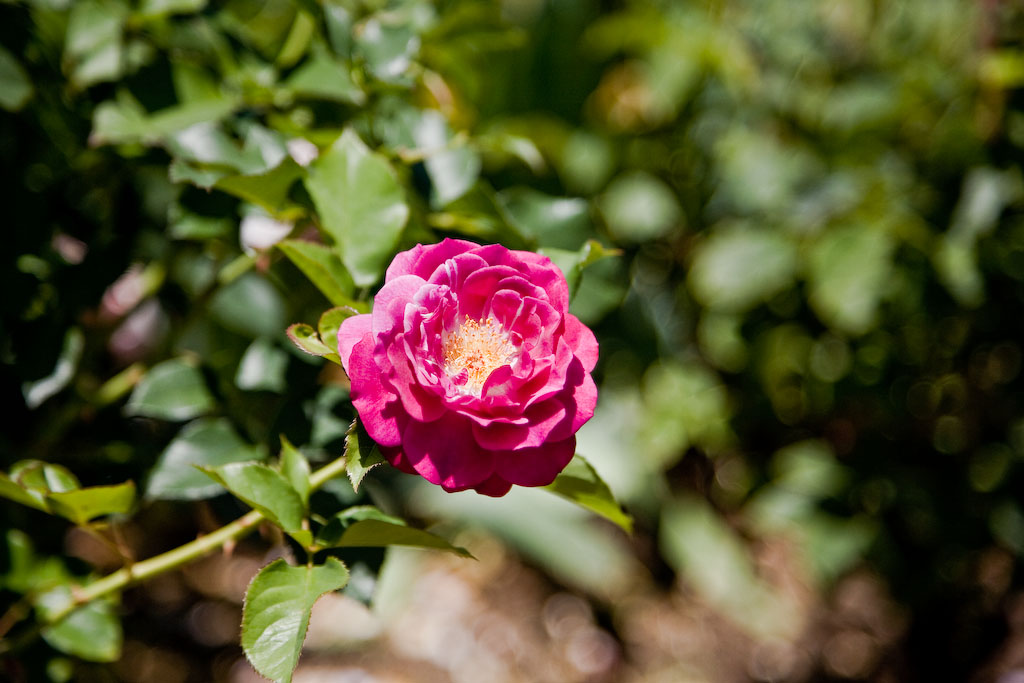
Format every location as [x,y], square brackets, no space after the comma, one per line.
[470,371]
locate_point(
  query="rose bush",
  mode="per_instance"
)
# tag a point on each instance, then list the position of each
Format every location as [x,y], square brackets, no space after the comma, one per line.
[470,371]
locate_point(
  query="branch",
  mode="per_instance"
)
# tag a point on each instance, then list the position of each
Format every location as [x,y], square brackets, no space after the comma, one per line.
[172,559]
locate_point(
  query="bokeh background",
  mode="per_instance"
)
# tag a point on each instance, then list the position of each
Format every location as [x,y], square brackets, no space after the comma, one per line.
[811,391]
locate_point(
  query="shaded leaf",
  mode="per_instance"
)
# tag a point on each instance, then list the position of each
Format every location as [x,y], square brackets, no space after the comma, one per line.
[262,367]
[171,390]
[15,86]
[295,469]
[361,454]
[92,632]
[325,78]
[268,189]
[276,613]
[378,533]
[36,392]
[322,266]
[82,505]
[206,442]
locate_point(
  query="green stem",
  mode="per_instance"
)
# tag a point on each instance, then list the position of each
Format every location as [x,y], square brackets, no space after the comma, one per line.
[172,559]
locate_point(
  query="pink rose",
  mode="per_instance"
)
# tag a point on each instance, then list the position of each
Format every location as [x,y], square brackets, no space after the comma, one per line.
[470,371]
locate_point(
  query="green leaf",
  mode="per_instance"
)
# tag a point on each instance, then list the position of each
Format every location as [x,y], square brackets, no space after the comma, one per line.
[326,78]
[82,505]
[330,321]
[712,557]
[453,168]
[19,494]
[209,442]
[36,392]
[262,368]
[849,272]
[580,483]
[268,491]
[638,207]
[295,469]
[94,42]
[171,390]
[739,267]
[387,42]
[154,9]
[560,222]
[15,86]
[378,533]
[361,205]
[361,454]
[43,476]
[276,613]
[322,266]
[268,189]
[92,632]
[249,305]
[573,263]
[306,338]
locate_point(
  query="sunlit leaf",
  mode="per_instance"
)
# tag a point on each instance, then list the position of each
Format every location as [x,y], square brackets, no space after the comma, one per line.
[307,339]
[361,205]
[580,483]
[330,321]
[266,490]
[276,613]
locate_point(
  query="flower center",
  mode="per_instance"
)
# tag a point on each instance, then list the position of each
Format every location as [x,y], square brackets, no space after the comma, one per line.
[475,349]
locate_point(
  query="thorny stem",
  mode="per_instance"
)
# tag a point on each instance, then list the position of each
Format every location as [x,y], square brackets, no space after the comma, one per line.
[172,559]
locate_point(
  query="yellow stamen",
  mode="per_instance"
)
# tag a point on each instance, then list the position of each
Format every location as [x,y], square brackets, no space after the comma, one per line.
[479,347]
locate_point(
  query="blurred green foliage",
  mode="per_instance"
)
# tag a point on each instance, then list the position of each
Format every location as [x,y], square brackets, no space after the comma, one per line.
[811,331]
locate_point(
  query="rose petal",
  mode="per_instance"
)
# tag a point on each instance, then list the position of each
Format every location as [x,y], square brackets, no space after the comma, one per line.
[378,407]
[581,340]
[390,302]
[542,419]
[424,260]
[351,332]
[535,466]
[495,487]
[444,452]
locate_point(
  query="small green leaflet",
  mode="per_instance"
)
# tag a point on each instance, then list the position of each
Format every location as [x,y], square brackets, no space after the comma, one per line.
[580,483]
[276,613]
[361,454]
[307,339]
